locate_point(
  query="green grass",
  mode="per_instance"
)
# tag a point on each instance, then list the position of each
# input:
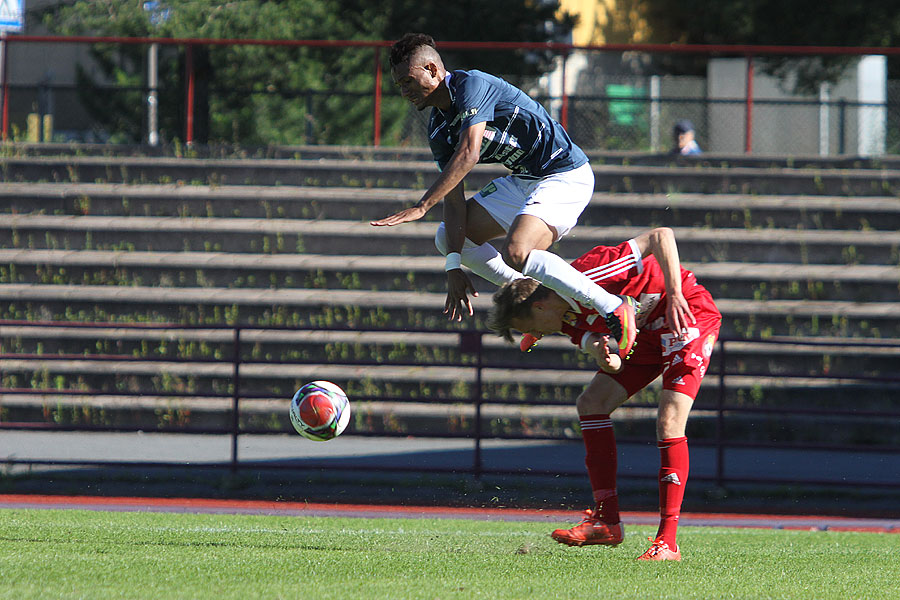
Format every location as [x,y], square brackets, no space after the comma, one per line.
[82,554]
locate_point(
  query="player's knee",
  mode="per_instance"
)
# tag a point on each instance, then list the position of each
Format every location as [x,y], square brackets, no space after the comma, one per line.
[515,255]
[440,239]
[593,404]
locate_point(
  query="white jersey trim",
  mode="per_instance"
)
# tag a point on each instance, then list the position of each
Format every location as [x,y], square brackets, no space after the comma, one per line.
[638,256]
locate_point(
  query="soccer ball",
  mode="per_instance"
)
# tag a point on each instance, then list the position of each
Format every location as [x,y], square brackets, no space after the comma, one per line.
[320,411]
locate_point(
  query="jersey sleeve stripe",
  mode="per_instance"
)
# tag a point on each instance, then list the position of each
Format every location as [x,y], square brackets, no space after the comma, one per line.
[607,270]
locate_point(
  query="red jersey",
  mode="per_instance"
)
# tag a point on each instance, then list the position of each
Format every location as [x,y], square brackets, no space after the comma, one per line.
[681,360]
[622,270]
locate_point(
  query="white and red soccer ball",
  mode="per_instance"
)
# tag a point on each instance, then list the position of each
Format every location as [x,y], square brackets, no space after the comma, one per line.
[320,411]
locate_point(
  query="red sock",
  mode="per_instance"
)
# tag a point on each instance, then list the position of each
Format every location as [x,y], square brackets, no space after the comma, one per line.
[601,461]
[674,465]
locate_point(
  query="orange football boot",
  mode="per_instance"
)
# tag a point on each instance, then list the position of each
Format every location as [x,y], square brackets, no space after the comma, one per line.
[622,323]
[528,342]
[660,550]
[590,531]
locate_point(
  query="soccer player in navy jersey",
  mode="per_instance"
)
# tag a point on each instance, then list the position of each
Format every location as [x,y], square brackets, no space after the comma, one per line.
[479,118]
[679,324]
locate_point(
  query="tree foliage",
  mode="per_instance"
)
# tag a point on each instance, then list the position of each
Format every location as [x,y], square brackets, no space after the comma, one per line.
[780,22]
[268,94]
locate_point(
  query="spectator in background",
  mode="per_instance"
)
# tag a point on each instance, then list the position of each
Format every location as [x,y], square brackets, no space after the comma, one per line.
[683,134]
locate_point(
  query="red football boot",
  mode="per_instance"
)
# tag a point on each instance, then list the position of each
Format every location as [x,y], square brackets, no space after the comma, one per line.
[660,550]
[590,531]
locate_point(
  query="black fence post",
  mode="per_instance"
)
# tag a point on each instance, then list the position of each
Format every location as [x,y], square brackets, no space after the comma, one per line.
[720,419]
[842,125]
[236,398]
[470,342]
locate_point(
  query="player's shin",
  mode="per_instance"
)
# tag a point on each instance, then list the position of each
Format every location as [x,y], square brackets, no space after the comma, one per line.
[673,475]
[484,260]
[563,278]
[601,460]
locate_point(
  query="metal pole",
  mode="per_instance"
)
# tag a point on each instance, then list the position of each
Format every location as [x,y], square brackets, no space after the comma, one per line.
[376,126]
[152,97]
[189,104]
[654,113]
[748,121]
[236,398]
[478,367]
[5,83]
[720,419]
[824,119]
[564,110]
[842,125]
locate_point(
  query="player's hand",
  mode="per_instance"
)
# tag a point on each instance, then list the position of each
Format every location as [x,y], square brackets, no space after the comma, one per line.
[406,215]
[458,288]
[678,315]
[607,361]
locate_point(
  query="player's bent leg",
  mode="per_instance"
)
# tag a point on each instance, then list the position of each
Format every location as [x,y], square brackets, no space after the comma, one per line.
[484,260]
[526,233]
[672,416]
[674,467]
[481,225]
[602,525]
[524,249]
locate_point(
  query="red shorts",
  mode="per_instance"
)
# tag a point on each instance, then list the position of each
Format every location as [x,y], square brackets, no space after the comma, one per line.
[682,363]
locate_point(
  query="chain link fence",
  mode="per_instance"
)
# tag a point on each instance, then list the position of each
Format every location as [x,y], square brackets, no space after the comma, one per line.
[620,101]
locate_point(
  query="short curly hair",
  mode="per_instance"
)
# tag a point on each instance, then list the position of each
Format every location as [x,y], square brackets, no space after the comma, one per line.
[406,46]
[514,301]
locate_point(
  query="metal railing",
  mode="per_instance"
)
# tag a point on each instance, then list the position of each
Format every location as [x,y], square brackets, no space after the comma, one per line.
[746,114]
[471,357]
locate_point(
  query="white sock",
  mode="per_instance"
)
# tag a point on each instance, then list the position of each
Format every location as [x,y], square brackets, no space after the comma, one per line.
[484,260]
[563,278]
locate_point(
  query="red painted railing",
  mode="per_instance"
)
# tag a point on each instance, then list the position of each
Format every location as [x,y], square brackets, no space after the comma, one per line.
[748,51]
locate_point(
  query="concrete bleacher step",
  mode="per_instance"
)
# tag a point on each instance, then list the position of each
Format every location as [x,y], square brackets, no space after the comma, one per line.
[367,308]
[773,357]
[443,403]
[300,202]
[698,178]
[416,239]
[412,153]
[419,273]
[439,385]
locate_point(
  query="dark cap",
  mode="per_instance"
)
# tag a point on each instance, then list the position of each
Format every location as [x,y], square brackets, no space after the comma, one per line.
[683,126]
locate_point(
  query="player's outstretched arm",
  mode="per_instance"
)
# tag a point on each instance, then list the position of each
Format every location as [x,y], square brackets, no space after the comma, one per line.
[462,161]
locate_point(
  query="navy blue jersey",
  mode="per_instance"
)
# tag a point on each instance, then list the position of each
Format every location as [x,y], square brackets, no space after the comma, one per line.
[519,133]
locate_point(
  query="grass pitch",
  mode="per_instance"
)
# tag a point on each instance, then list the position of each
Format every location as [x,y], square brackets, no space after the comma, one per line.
[84,554]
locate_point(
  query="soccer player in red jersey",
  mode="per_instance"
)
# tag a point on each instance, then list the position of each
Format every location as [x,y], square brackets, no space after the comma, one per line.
[678,326]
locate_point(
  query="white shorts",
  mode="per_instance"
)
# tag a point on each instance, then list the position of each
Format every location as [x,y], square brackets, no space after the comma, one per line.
[558,200]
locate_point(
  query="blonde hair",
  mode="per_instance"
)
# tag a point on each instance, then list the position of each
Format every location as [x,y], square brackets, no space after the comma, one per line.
[514,301]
